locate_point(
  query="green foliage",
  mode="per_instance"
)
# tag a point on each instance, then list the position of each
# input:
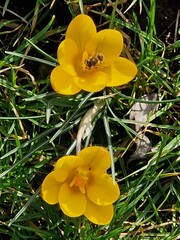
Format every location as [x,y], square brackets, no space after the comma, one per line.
[37,126]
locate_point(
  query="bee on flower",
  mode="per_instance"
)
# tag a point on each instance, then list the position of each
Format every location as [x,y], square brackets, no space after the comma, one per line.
[90,60]
[94,60]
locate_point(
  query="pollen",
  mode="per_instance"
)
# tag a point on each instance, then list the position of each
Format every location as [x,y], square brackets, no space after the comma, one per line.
[80,180]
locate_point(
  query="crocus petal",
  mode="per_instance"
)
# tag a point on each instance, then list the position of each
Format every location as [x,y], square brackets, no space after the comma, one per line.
[67,56]
[102,191]
[92,82]
[65,167]
[50,189]
[80,30]
[72,201]
[121,72]
[101,215]
[62,82]
[108,42]
[97,158]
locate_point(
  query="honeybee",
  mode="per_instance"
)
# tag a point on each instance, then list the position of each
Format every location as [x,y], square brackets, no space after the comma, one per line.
[94,60]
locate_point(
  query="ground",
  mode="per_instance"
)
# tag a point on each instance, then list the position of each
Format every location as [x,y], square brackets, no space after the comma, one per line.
[38,126]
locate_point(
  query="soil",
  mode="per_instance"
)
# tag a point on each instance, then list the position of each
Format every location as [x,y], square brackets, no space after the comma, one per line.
[165,19]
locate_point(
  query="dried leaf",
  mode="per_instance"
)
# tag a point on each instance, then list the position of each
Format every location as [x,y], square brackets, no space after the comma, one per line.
[140,113]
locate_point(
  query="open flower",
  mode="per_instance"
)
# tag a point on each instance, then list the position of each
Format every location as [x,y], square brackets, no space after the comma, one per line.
[90,60]
[81,185]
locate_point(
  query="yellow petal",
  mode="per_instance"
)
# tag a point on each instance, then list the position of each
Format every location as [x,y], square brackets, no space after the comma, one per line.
[67,56]
[62,82]
[80,30]
[94,81]
[121,72]
[96,158]
[101,215]
[72,201]
[65,166]
[108,42]
[50,189]
[102,191]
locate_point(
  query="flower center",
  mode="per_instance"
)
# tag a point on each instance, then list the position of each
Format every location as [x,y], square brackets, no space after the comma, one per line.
[80,180]
[93,61]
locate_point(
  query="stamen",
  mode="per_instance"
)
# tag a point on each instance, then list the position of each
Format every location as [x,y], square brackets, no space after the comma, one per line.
[84,57]
[79,180]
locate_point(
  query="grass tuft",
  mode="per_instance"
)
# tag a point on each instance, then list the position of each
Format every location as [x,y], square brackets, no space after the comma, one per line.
[38,126]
